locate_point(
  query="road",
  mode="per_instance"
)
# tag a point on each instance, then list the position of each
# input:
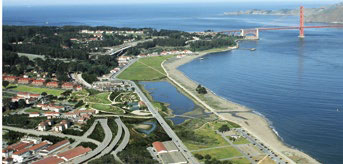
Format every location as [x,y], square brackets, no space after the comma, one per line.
[124,142]
[86,134]
[79,79]
[183,149]
[263,148]
[40,133]
[101,147]
[114,141]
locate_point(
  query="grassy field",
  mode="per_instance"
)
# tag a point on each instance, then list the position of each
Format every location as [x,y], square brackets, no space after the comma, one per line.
[24,88]
[145,69]
[33,110]
[107,108]
[241,140]
[220,153]
[240,161]
[99,98]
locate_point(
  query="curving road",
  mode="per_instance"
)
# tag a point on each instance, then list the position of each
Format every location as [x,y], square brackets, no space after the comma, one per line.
[85,135]
[124,142]
[114,141]
[101,147]
[40,133]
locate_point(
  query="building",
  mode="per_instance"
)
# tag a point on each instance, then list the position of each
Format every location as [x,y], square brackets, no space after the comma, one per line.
[34,114]
[38,82]
[42,126]
[19,145]
[52,114]
[24,81]
[24,95]
[11,79]
[36,148]
[78,88]
[56,108]
[20,155]
[168,153]
[49,160]
[73,153]
[16,98]
[52,84]
[67,85]
[54,147]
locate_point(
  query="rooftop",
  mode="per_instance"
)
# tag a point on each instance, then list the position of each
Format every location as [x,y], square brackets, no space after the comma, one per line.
[72,153]
[49,160]
[58,144]
[159,146]
[38,146]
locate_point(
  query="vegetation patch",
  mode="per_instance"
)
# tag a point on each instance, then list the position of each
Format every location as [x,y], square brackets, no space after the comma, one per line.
[101,98]
[33,110]
[88,144]
[145,69]
[98,133]
[25,88]
[108,108]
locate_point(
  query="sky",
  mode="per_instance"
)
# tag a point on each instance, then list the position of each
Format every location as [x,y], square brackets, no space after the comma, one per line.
[102,2]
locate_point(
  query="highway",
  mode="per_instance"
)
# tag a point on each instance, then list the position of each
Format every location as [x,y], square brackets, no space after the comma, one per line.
[85,135]
[101,147]
[40,133]
[124,142]
[183,149]
[114,141]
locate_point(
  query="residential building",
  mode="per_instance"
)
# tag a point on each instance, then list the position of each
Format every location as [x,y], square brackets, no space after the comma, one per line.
[49,160]
[74,153]
[36,148]
[52,114]
[54,147]
[24,80]
[11,79]
[20,155]
[159,147]
[34,114]
[78,87]
[38,82]
[19,145]
[42,126]
[52,84]
[67,85]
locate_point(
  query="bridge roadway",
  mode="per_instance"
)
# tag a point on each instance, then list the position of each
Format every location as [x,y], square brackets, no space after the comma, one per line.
[101,147]
[283,28]
[39,133]
[183,149]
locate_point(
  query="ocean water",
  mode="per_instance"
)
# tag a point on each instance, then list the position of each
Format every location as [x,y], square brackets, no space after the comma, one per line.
[296,84]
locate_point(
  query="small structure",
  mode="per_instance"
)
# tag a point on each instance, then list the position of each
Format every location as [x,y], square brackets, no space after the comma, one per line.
[34,114]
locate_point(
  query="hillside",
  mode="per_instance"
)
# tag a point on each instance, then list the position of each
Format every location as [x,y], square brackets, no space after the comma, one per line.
[329,14]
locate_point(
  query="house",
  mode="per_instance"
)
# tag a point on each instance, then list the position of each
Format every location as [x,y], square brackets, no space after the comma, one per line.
[15,98]
[38,82]
[25,95]
[35,148]
[20,145]
[52,84]
[65,123]
[43,106]
[24,81]
[67,85]
[74,153]
[32,139]
[30,100]
[7,160]
[49,160]
[52,114]
[56,108]
[34,114]
[10,78]
[6,153]
[42,126]
[59,128]
[141,56]
[54,147]
[34,95]
[70,115]
[20,155]
[78,88]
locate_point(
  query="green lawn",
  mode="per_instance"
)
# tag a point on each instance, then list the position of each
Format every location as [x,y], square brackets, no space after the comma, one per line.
[220,153]
[240,161]
[241,140]
[33,110]
[99,98]
[145,69]
[107,108]
[25,88]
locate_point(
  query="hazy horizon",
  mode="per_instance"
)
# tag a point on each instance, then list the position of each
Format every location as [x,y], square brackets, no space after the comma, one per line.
[30,3]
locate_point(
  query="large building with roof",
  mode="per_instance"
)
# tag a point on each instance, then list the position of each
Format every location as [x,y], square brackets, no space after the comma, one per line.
[168,153]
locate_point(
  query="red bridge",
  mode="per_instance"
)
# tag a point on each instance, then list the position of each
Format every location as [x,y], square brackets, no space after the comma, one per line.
[254,33]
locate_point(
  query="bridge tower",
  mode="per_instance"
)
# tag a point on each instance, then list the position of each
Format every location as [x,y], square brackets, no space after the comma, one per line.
[301,27]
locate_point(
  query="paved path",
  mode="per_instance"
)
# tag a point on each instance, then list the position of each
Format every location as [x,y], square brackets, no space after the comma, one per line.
[101,147]
[40,133]
[78,78]
[114,141]
[124,142]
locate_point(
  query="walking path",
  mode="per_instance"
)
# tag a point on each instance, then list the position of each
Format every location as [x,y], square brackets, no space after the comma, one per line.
[101,147]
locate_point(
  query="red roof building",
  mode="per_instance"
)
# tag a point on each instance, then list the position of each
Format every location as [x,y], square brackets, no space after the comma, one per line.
[38,82]
[50,160]
[54,147]
[52,84]
[37,147]
[24,80]
[10,78]
[19,145]
[74,153]
[78,87]
[159,147]
[67,85]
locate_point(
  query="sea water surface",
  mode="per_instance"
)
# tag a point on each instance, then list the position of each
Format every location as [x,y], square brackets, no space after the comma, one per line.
[297,84]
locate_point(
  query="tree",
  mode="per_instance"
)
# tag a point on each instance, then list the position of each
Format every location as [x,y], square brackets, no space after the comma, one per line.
[199,156]
[5,83]
[224,128]
[43,94]
[207,156]
[201,90]
[21,103]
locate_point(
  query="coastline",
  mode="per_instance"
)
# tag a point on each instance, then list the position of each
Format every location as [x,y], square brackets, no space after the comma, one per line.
[253,122]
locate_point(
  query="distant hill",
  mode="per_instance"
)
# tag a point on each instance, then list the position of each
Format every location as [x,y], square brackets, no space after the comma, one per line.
[329,14]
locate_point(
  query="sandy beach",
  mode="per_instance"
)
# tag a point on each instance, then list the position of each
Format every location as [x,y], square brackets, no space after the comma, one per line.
[227,110]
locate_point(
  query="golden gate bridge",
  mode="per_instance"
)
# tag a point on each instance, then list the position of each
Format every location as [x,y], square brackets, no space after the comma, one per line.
[254,33]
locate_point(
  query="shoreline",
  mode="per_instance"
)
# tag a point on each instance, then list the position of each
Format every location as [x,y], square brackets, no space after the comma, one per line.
[251,121]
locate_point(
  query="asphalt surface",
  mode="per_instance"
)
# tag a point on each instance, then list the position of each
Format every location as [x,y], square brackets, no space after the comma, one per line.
[40,133]
[101,147]
[86,134]
[124,142]
[114,141]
